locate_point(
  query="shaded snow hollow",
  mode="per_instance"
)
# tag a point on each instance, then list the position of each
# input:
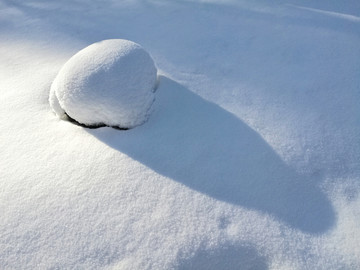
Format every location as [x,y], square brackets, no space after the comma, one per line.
[109,83]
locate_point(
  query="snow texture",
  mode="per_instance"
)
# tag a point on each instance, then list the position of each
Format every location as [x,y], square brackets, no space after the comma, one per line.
[250,159]
[111,82]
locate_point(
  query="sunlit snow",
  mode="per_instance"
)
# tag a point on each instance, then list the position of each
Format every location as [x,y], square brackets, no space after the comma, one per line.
[250,158]
[111,82]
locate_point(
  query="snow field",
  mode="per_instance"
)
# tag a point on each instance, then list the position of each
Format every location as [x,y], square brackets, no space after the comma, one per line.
[254,132]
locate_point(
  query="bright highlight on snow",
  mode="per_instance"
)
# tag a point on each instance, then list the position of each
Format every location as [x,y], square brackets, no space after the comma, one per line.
[109,83]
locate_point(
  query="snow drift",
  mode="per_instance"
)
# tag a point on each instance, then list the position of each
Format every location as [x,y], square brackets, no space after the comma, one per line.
[250,159]
[107,83]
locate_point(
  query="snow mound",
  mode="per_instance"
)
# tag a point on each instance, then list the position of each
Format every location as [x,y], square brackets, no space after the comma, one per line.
[109,83]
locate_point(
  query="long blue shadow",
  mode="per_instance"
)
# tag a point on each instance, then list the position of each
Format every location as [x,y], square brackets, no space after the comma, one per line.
[208,149]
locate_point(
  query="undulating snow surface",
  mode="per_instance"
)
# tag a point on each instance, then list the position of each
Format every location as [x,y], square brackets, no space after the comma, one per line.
[250,159]
[111,82]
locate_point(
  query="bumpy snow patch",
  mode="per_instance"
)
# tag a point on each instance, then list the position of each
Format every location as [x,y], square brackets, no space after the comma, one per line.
[109,83]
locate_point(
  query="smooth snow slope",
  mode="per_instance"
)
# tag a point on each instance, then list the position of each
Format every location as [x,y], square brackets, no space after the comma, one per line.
[250,160]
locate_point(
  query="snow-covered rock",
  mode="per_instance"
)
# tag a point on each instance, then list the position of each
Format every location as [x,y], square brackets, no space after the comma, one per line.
[110,82]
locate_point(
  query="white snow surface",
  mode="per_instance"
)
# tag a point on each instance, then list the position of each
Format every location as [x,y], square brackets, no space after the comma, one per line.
[111,82]
[250,159]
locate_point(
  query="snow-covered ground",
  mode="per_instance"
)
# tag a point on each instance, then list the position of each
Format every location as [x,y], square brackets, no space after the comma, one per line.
[250,159]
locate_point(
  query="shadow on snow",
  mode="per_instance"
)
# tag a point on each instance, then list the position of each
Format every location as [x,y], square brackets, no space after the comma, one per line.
[208,149]
[225,258]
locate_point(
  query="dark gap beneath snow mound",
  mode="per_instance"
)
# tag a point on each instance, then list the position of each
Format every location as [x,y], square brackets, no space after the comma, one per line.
[100,125]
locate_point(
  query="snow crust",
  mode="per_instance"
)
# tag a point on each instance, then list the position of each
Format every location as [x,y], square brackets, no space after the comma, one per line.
[110,82]
[250,159]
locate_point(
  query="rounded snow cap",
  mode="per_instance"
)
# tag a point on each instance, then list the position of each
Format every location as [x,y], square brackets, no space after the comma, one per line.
[110,83]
